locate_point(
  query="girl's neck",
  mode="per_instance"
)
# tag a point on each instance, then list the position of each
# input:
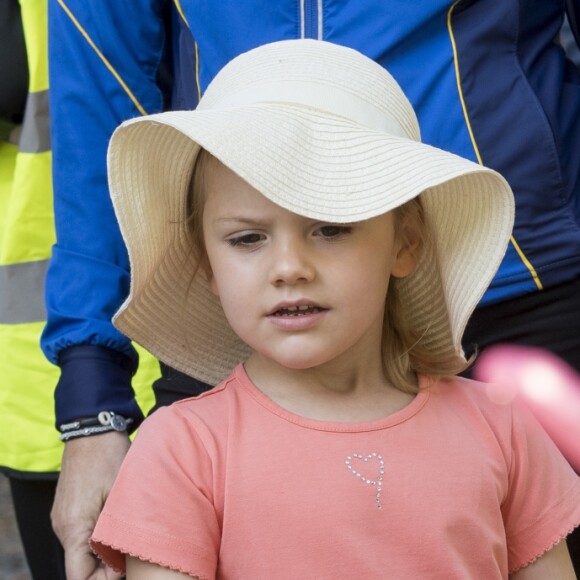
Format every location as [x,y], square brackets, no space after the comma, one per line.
[329,392]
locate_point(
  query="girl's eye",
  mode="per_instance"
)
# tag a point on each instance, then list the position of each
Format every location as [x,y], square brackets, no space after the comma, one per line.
[246,240]
[334,231]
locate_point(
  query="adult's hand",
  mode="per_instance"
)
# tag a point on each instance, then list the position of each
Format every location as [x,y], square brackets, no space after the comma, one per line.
[89,467]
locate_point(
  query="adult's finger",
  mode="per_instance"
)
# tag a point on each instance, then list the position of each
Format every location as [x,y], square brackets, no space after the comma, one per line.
[89,468]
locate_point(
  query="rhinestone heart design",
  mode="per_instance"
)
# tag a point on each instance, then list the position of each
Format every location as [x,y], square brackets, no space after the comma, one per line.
[376,483]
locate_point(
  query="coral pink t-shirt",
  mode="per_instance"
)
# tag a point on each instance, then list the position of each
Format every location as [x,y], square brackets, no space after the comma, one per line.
[231,485]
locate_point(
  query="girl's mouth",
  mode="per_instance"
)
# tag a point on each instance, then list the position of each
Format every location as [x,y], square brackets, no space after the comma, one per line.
[297,311]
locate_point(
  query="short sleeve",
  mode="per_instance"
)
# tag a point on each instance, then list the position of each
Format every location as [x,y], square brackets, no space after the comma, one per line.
[543,502]
[161,507]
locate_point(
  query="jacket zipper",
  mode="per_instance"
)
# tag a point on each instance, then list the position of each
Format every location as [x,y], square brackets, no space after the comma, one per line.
[311,19]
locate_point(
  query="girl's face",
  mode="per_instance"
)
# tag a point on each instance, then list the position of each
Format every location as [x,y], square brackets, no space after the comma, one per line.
[300,292]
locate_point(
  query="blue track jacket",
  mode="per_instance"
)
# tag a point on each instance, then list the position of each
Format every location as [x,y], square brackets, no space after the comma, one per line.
[488,80]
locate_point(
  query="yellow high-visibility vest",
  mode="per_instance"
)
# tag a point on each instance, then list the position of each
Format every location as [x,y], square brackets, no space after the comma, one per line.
[29,441]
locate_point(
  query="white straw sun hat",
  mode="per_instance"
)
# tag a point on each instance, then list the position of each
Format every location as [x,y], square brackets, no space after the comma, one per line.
[326,133]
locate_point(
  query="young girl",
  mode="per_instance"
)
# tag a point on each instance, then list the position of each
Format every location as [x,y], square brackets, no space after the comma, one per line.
[294,241]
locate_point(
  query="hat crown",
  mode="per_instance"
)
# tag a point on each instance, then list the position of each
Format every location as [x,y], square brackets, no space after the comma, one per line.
[320,75]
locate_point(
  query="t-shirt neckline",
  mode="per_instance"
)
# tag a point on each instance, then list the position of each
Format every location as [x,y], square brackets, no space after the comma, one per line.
[389,421]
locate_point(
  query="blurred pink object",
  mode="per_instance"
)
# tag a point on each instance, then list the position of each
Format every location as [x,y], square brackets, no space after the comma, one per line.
[549,387]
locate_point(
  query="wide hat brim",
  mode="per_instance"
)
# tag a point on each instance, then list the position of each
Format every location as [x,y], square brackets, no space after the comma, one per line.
[315,164]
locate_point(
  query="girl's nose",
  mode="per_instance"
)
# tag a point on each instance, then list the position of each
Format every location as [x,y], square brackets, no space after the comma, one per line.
[292,263]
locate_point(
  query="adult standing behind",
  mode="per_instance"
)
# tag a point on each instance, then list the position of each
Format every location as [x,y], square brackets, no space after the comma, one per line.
[29,451]
[487,80]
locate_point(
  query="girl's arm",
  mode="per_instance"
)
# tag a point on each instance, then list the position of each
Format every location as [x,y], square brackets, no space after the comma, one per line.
[554,564]
[141,570]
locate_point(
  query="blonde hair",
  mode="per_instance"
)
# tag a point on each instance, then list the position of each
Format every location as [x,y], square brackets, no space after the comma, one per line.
[403,351]
[405,354]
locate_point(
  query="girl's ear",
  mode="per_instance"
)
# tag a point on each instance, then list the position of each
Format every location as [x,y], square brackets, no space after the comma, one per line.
[410,243]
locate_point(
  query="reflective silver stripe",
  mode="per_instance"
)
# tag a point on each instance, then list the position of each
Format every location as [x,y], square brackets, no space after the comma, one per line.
[22,292]
[35,136]
[302,17]
[320,21]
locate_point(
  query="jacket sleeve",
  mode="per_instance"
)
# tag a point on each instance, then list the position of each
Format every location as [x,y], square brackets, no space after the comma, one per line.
[104,62]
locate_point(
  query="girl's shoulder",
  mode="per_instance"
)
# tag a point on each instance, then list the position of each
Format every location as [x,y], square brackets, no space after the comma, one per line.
[495,413]
[487,408]
[209,410]
[455,390]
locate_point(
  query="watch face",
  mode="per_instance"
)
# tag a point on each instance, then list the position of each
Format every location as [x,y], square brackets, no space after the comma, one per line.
[118,423]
